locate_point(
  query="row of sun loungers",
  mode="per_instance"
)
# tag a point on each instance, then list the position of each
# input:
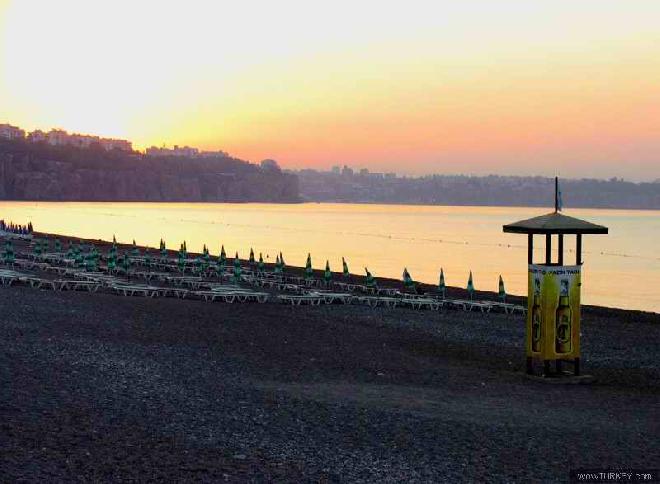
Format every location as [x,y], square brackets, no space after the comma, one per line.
[293,290]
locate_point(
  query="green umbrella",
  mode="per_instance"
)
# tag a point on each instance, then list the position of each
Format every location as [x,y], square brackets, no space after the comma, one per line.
[70,253]
[327,275]
[371,280]
[260,265]
[197,268]
[309,272]
[345,268]
[90,261]
[8,255]
[470,286]
[114,240]
[58,246]
[251,259]
[441,285]
[126,263]
[237,268]
[78,258]
[501,291]
[278,265]
[282,261]
[185,248]
[135,252]
[112,260]
[408,282]
[163,249]
[181,260]
[37,248]
[223,256]
[147,257]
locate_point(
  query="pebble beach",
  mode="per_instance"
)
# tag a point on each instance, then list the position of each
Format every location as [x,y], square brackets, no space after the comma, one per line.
[99,387]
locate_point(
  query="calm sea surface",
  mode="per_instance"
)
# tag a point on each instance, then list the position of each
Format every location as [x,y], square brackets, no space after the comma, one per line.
[621,269]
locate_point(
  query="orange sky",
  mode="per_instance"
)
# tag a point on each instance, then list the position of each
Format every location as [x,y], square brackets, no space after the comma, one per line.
[510,87]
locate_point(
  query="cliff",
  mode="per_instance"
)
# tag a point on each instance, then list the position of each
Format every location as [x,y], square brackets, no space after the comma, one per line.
[38,172]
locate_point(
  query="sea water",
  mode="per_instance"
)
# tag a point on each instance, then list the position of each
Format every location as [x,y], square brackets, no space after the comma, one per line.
[621,269]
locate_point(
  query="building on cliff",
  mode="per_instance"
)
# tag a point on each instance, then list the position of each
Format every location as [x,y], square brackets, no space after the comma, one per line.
[186,151]
[59,137]
[7,131]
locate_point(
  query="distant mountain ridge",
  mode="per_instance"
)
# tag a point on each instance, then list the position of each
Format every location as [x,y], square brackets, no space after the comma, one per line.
[493,190]
[38,171]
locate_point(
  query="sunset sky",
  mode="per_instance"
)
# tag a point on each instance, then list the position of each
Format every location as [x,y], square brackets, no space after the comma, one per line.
[507,87]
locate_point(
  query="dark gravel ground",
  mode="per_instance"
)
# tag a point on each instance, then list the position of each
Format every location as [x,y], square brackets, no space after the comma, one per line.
[103,388]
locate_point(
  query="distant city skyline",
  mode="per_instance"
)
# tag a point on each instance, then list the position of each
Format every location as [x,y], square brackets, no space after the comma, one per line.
[474,87]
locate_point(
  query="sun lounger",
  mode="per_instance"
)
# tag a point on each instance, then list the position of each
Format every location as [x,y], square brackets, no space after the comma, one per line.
[331,297]
[8,279]
[298,300]
[132,290]
[456,303]
[375,301]
[422,303]
[77,285]
[39,283]
[509,308]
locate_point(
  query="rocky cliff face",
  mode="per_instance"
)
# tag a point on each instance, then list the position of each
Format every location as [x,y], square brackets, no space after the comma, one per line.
[27,174]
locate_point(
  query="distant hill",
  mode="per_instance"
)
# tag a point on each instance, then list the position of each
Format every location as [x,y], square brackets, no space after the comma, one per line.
[473,190]
[37,171]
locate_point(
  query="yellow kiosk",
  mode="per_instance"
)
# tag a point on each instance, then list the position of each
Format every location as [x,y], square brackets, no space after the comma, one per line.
[553,295]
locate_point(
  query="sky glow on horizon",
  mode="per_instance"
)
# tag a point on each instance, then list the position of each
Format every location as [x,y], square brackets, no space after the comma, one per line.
[476,87]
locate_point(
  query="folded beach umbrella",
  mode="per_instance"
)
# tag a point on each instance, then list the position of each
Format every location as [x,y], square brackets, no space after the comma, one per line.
[309,272]
[327,274]
[441,285]
[501,292]
[126,263]
[114,240]
[345,268]
[206,258]
[8,255]
[58,246]
[37,247]
[198,265]
[90,261]
[237,269]
[181,259]
[470,286]
[371,280]
[79,261]
[223,256]
[111,258]
[185,248]
[407,280]
[135,251]
[251,259]
[163,248]
[282,261]
[260,265]
[278,265]
[70,253]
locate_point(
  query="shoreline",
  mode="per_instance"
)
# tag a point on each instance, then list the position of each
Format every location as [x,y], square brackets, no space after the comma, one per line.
[452,291]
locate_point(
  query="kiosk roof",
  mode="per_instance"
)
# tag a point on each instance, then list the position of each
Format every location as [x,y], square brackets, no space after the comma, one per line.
[554,223]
